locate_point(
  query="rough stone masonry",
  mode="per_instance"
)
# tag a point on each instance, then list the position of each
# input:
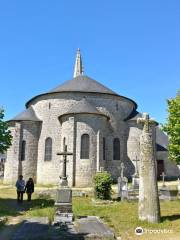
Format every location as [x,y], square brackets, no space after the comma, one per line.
[86,115]
[149,208]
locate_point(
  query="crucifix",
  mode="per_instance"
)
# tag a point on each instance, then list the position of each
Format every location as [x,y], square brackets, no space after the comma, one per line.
[163,178]
[65,153]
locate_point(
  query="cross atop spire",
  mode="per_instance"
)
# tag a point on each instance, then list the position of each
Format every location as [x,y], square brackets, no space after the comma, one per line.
[78,67]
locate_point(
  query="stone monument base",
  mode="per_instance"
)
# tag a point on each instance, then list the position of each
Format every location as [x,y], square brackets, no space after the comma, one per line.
[135,182]
[63,205]
[167,194]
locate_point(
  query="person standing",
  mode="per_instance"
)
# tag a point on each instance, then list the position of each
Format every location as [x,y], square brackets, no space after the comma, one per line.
[20,186]
[29,188]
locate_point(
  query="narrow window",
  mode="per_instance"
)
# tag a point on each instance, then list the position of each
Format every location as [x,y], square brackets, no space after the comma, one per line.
[104,148]
[116,149]
[117,107]
[48,149]
[64,143]
[23,150]
[85,146]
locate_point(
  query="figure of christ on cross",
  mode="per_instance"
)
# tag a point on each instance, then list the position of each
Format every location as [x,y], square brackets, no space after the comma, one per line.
[65,153]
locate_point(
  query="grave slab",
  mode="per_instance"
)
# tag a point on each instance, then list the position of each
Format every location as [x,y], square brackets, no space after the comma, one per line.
[93,228]
[32,229]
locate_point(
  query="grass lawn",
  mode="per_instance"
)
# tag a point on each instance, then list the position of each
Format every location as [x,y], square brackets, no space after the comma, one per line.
[120,216]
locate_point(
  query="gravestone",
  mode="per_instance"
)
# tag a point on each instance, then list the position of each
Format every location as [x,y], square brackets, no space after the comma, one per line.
[165,192]
[178,187]
[163,180]
[168,194]
[63,202]
[101,169]
[122,184]
[149,208]
[135,177]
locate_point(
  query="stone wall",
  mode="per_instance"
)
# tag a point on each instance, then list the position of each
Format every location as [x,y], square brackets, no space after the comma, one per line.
[49,109]
[11,170]
[29,132]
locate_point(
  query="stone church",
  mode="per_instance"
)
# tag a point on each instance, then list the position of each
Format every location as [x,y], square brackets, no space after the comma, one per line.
[97,124]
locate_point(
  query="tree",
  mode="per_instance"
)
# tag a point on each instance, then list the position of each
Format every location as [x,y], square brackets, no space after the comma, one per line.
[5,134]
[172,128]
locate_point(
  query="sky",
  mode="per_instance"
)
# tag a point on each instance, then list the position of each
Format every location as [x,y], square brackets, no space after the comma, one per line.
[132,47]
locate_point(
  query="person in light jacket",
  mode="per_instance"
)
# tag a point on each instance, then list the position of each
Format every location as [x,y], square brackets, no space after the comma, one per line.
[20,186]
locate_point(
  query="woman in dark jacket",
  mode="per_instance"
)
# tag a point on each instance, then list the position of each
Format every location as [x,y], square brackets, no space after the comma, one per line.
[29,189]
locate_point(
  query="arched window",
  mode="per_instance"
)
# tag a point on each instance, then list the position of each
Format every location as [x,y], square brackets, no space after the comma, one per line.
[23,150]
[85,146]
[104,148]
[116,149]
[48,149]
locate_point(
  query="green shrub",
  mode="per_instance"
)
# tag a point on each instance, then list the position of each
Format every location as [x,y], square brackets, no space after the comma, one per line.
[102,185]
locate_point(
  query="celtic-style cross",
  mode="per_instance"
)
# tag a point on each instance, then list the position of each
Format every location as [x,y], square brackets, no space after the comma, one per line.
[146,121]
[65,153]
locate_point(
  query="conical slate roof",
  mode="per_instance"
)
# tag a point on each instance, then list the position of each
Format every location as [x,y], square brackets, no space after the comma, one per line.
[134,116]
[161,139]
[26,115]
[83,106]
[82,83]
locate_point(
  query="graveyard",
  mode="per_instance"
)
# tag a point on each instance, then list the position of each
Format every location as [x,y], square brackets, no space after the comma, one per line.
[90,147]
[120,216]
[139,209]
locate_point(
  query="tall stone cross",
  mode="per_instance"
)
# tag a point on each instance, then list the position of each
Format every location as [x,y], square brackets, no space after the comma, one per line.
[65,153]
[146,121]
[149,207]
[163,178]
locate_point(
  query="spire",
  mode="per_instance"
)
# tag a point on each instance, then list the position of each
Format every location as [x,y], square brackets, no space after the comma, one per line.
[78,67]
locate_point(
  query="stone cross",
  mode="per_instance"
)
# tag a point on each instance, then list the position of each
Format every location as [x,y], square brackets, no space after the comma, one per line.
[146,121]
[122,170]
[65,153]
[149,207]
[163,178]
[136,166]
